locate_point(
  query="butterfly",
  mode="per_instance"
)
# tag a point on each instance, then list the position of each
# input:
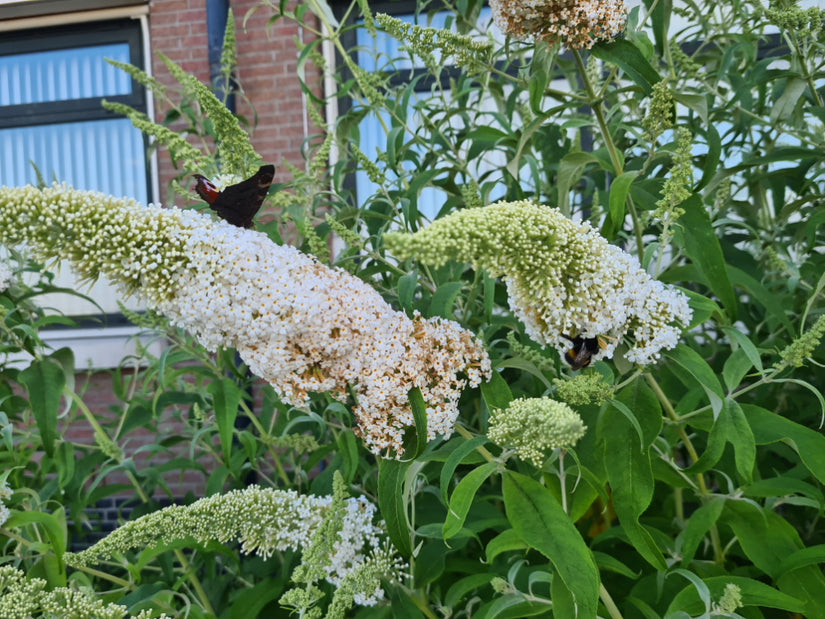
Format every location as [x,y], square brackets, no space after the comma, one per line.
[582,350]
[237,204]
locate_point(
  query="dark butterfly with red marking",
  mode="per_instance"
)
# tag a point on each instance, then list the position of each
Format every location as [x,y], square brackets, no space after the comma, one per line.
[582,350]
[237,204]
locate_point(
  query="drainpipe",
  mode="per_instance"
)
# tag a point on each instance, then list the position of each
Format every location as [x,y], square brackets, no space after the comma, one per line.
[216,11]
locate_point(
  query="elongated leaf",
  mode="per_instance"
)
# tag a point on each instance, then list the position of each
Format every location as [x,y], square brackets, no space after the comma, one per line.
[504,542]
[698,368]
[754,593]
[391,474]
[444,298]
[570,171]
[462,498]
[226,398]
[462,587]
[44,381]
[539,520]
[698,525]
[769,428]
[813,555]
[415,438]
[53,525]
[496,392]
[619,189]
[702,245]
[767,540]
[630,473]
[627,56]
[454,459]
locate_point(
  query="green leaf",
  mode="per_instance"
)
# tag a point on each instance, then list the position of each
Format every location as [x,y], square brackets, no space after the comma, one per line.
[406,289]
[735,368]
[769,428]
[702,246]
[767,539]
[226,398]
[465,585]
[454,459]
[790,98]
[570,170]
[539,520]
[698,525]
[391,474]
[415,437]
[629,469]
[689,359]
[540,70]
[496,392]
[754,593]
[53,525]
[712,158]
[505,541]
[737,337]
[629,59]
[619,188]
[44,381]
[443,299]
[813,555]
[462,498]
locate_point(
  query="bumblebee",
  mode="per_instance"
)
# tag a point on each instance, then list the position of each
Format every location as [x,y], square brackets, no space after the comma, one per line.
[582,350]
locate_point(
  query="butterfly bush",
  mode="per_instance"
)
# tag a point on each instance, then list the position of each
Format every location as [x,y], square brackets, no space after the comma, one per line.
[577,24]
[264,521]
[562,277]
[302,326]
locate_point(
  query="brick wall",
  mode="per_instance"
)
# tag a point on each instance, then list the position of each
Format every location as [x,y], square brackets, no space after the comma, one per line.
[267,69]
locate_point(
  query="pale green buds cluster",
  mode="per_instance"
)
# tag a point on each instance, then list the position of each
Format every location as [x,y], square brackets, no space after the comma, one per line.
[581,389]
[731,600]
[23,598]
[534,425]
[563,278]
[797,352]
[425,42]
[659,117]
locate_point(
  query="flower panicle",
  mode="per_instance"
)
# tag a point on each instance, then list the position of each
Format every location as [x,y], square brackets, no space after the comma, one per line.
[576,24]
[563,279]
[424,42]
[302,326]
[535,425]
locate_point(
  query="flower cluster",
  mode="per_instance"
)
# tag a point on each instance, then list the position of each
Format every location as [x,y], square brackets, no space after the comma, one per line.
[263,520]
[302,326]
[563,278]
[22,598]
[576,24]
[534,425]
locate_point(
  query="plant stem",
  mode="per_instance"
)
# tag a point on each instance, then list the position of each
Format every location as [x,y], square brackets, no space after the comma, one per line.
[718,554]
[598,112]
[609,604]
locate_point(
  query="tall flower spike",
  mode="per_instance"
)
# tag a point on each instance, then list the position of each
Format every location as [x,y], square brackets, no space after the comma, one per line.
[577,24]
[302,326]
[563,278]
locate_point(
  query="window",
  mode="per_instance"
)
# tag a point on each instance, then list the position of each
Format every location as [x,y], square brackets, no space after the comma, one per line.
[52,82]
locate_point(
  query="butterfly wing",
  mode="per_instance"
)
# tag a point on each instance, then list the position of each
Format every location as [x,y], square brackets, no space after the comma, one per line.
[238,204]
[206,190]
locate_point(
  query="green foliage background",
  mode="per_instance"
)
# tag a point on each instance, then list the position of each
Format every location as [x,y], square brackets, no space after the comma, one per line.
[701,471]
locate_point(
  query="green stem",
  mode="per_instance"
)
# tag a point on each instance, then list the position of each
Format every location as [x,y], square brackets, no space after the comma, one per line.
[609,604]
[598,112]
[482,450]
[704,493]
